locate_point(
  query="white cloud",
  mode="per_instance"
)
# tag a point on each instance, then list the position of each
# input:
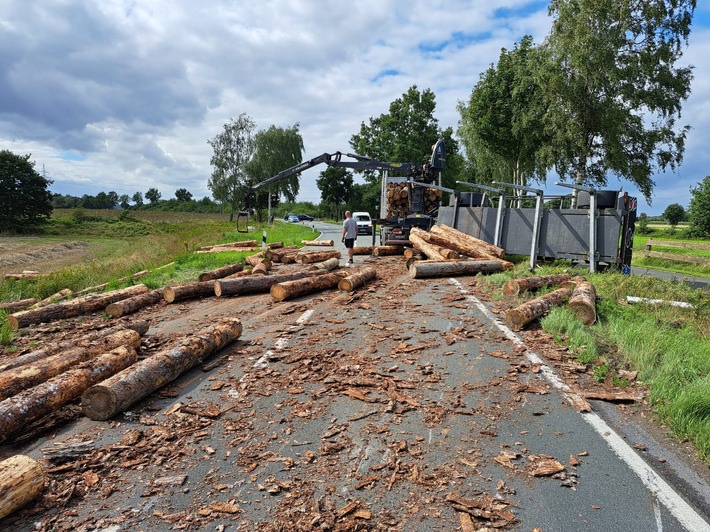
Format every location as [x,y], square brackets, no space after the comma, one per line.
[136,87]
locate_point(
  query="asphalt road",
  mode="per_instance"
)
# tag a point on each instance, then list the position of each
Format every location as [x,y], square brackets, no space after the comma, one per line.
[394,407]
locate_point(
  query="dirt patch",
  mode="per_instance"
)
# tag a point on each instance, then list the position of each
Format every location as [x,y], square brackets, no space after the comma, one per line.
[45,258]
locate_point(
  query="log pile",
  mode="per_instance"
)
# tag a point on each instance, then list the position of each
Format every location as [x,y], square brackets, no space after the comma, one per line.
[276,255]
[529,284]
[398,199]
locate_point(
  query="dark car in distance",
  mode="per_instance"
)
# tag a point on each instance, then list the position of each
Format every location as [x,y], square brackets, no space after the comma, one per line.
[305,218]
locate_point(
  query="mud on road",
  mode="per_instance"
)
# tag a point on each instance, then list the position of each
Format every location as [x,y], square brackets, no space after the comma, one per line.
[396,407]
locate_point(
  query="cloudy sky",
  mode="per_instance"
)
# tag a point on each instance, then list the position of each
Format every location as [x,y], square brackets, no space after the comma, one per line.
[124,94]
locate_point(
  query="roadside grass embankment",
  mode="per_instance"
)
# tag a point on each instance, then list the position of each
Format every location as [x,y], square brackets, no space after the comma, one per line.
[686,268]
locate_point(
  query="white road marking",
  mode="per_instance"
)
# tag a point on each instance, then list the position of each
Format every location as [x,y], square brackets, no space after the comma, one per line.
[658,487]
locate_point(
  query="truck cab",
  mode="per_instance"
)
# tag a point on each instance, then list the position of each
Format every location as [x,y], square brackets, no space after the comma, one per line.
[364,223]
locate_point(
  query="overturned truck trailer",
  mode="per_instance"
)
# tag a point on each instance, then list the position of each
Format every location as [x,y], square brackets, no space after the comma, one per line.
[600,228]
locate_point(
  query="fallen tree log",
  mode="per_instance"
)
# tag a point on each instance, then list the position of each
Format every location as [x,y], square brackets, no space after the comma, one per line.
[27,274]
[274,255]
[218,273]
[327,265]
[63,294]
[262,267]
[463,242]
[290,258]
[256,258]
[583,302]
[330,243]
[89,340]
[171,294]
[527,284]
[363,250]
[384,251]
[115,394]
[243,273]
[19,410]
[16,306]
[307,285]
[521,315]
[257,284]
[135,303]
[74,307]
[432,251]
[356,280]
[411,253]
[241,244]
[15,380]
[309,257]
[21,480]
[226,250]
[441,268]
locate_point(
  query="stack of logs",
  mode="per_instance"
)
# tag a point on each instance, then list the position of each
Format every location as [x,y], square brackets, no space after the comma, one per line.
[398,199]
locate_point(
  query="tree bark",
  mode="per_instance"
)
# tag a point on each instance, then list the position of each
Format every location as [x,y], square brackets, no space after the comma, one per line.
[262,267]
[351,282]
[242,244]
[19,410]
[583,302]
[420,235]
[274,255]
[16,306]
[328,265]
[243,273]
[171,294]
[21,480]
[362,250]
[432,251]
[27,274]
[330,243]
[117,393]
[218,273]
[382,251]
[54,298]
[307,285]
[443,268]
[256,284]
[309,257]
[13,381]
[410,253]
[464,243]
[74,307]
[514,286]
[256,258]
[87,341]
[135,303]
[520,316]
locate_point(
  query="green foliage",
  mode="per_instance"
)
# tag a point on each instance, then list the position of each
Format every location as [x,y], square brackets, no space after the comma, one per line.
[642,224]
[566,328]
[182,194]
[153,195]
[674,214]
[335,184]
[7,333]
[25,201]
[699,212]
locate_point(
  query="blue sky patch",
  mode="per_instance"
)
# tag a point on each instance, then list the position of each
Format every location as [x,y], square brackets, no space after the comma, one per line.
[70,155]
[385,73]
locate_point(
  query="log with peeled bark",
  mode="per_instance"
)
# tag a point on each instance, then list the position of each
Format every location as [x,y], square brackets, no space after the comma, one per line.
[115,394]
[63,294]
[21,480]
[27,406]
[135,303]
[171,294]
[309,257]
[307,285]
[330,243]
[463,242]
[432,251]
[241,244]
[583,302]
[363,250]
[256,258]
[521,315]
[444,251]
[442,268]
[410,253]
[385,251]
[262,267]
[528,284]
[356,280]
[257,284]
[16,306]
[274,255]
[74,307]
[88,341]
[27,274]
[328,265]
[218,273]
[15,380]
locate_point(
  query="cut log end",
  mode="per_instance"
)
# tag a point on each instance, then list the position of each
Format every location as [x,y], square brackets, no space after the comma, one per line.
[99,403]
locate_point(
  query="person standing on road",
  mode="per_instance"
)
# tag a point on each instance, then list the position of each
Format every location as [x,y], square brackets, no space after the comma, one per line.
[349,234]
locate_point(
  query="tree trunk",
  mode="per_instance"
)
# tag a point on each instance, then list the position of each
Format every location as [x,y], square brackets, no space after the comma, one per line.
[171,294]
[318,243]
[307,285]
[274,255]
[383,251]
[464,243]
[309,257]
[583,302]
[54,298]
[117,393]
[515,286]
[256,284]
[351,282]
[135,303]
[242,244]
[21,480]
[262,267]
[520,316]
[218,273]
[15,380]
[243,273]
[432,251]
[410,253]
[86,341]
[362,250]
[74,307]
[16,306]
[290,258]
[25,407]
[327,265]
[433,268]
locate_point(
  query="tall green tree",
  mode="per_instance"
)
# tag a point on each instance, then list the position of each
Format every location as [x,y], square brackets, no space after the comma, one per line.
[182,194]
[137,199]
[25,199]
[699,211]
[123,201]
[153,195]
[233,149]
[335,184]
[501,124]
[615,89]
[275,150]
[674,214]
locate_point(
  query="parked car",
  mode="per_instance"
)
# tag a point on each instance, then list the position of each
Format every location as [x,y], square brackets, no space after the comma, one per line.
[293,218]
[305,218]
[364,223]
[286,217]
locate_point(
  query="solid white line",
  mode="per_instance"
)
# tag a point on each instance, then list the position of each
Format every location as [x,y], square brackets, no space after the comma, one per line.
[664,493]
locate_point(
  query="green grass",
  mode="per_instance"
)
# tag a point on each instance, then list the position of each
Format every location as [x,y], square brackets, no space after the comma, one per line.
[639,260]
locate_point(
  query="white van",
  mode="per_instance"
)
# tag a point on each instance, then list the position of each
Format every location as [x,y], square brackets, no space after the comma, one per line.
[364,223]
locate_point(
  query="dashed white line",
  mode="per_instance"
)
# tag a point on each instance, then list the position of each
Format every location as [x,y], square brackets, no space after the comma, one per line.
[661,491]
